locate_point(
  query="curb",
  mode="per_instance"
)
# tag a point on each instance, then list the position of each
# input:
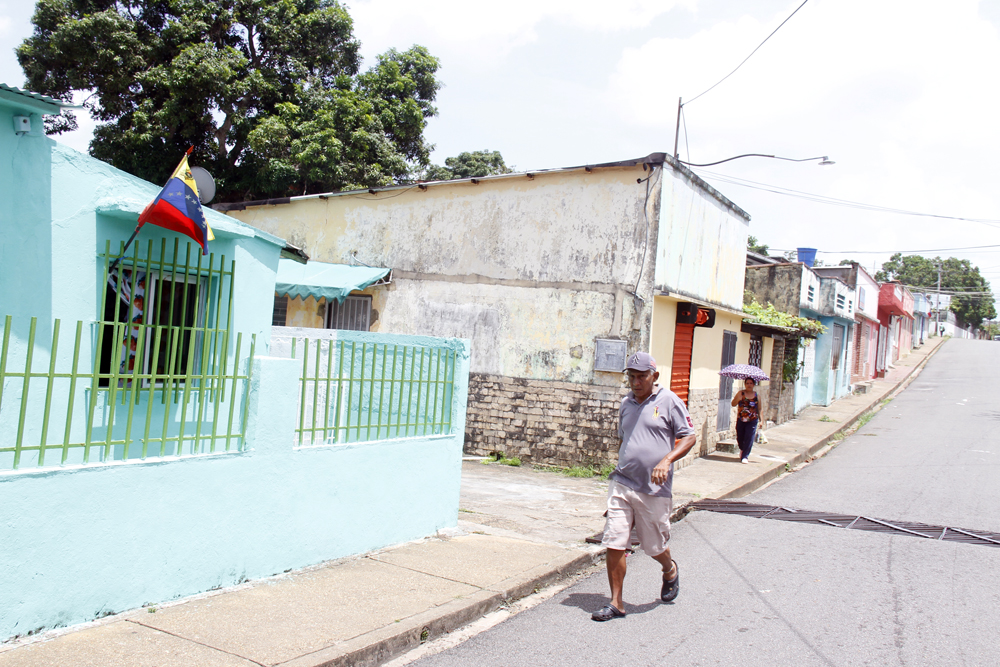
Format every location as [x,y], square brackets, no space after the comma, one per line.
[381,645]
[778,469]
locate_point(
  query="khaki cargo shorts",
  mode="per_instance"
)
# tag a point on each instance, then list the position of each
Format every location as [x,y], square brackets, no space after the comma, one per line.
[649,514]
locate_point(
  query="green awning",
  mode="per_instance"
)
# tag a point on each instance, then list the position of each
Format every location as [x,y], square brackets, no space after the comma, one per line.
[319,279]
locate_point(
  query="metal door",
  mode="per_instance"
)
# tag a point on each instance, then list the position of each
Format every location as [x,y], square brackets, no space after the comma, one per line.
[726,384]
[680,367]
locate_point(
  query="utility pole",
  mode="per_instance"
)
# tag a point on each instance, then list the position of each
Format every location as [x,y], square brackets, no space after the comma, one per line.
[937,327]
[677,130]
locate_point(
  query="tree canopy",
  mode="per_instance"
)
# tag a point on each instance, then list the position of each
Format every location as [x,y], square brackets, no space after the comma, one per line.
[754,246]
[269,93]
[971,300]
[468,165]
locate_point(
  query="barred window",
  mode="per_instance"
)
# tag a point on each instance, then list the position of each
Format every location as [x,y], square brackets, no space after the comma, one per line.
[176,301]
[354,314]
[756,351]
[280,314]
[163,316]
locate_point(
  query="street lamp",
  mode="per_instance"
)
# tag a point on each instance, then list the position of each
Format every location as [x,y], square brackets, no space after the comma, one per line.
[824,161]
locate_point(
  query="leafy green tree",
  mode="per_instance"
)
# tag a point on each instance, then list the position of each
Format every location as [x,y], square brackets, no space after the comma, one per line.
[269,93]
[754,246]
[468,165]
[958,276]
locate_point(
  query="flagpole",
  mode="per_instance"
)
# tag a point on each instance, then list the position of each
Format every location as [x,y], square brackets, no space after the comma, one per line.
[115,263]
[111,269]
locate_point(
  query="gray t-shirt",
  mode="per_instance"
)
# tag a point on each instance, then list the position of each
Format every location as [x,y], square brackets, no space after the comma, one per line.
[648,431]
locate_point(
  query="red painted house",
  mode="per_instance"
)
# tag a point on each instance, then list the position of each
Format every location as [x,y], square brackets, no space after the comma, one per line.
[895,315]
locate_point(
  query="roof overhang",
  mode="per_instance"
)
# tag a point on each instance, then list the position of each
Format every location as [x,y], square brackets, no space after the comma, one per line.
[29,101]
[769,330]
[323,280]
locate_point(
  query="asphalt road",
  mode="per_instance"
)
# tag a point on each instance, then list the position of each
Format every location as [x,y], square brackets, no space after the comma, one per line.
[764,592]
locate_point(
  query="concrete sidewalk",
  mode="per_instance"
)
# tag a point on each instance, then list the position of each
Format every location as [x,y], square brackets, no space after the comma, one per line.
[519,530]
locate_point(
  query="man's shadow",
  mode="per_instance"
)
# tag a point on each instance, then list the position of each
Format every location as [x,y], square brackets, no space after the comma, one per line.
[591,602]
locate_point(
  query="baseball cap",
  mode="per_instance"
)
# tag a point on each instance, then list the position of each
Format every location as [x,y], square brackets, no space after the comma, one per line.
[640,361]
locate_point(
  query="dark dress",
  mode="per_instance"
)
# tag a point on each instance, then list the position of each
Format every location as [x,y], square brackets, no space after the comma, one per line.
[747,415]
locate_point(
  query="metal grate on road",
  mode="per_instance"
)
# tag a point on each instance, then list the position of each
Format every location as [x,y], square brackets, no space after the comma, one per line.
[851,521]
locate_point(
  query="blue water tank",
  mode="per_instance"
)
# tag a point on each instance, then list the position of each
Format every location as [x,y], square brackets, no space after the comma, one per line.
[806,255]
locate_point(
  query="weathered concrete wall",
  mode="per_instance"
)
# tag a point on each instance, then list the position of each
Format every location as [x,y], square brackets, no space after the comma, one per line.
[829,290]
[702,243]
[531,269]
[779,284]
[308,312]
[534,333]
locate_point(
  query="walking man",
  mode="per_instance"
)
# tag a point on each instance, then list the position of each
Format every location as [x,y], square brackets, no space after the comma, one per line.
[656,430]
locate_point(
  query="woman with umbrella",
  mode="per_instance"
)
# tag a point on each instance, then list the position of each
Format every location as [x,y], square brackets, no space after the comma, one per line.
[747,413]
[747,404]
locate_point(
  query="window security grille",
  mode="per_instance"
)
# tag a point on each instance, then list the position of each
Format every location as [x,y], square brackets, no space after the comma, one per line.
[756,351]
[841,300]
[354,314]
[280,314]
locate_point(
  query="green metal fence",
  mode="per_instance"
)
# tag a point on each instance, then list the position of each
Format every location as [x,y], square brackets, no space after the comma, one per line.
[357,391]
[161,375]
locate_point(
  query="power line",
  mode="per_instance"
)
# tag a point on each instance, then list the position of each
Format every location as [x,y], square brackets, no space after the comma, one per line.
[891,252]
[751,53]
[821,199]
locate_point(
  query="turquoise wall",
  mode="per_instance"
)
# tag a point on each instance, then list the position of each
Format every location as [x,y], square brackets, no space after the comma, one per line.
[58,208]
[80,542]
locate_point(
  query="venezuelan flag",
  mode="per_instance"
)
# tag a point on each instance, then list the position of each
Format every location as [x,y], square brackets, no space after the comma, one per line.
[178,208]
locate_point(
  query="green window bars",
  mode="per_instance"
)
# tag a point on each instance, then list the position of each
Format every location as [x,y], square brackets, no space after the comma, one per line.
[158,375]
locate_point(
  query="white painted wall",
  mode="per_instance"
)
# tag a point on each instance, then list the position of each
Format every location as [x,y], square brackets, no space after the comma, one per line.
[701,249]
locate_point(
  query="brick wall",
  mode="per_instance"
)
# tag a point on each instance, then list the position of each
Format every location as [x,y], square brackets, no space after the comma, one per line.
[774,392]
[564,423]
[786,403]
[543,421]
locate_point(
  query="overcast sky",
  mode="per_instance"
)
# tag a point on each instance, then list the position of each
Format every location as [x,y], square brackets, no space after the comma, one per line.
[903,94]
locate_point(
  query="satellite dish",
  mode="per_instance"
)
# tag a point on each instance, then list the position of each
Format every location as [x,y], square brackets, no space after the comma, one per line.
[206,184]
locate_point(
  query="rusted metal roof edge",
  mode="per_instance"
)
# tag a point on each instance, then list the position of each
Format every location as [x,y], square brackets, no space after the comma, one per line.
[653,159]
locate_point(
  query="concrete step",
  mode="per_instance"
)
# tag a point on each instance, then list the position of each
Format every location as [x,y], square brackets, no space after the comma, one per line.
[727,446]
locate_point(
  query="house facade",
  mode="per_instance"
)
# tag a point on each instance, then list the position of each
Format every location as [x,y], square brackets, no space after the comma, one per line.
[143,422]
[895,314]
[923,326]
[554,276]
[824,362]
[864,341]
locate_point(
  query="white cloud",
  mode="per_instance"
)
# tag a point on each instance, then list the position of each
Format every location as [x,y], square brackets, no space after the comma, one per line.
[495,28]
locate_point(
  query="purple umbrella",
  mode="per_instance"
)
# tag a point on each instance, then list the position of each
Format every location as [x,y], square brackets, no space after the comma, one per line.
[744,372]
